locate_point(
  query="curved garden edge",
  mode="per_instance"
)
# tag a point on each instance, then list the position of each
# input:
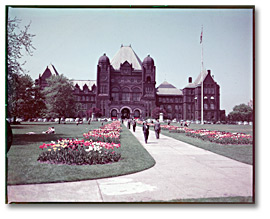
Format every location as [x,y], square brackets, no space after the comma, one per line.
[134,159]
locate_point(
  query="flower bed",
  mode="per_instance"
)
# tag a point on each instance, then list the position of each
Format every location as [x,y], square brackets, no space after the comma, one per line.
[107,133]
[212,136]
[83,152]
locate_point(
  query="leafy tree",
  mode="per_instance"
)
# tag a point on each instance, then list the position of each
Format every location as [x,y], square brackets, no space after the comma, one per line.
[25,101]
[19,85]
[156,111]
[95,110]
[241,112]
[59,98]
[17,41]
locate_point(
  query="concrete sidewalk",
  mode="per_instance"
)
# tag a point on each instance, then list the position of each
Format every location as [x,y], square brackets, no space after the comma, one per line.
[181,171]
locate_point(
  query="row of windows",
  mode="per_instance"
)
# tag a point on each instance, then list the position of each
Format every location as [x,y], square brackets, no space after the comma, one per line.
[209,106]
[126,96]
[170,100]
[85,98]
[209,90]
[126,80]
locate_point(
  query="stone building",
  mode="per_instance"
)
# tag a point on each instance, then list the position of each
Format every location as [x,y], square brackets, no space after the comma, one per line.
[125,87]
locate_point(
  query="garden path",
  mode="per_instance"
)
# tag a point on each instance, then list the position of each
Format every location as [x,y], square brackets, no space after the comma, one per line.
[182,171]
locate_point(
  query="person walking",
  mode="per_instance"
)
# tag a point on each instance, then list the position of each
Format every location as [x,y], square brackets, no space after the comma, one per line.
[128,123]
[134,125]
[145,131]
[157,128]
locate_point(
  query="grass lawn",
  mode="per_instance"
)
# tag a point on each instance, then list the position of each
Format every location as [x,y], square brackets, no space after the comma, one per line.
[23,167]
[242,153]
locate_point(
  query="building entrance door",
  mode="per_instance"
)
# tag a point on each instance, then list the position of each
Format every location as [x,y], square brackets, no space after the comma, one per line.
[125,113]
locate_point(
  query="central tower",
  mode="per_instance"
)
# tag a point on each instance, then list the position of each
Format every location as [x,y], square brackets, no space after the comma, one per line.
[126,86]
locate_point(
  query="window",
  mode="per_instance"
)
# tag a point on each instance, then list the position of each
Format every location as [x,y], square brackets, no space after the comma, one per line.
[136,94]
[125,94]
[103,89]
[115,94]
[169,108]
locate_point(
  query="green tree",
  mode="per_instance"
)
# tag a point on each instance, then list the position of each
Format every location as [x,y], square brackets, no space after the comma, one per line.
[59,98]
[25,101]
[156,111]
[18,40]
[241,112]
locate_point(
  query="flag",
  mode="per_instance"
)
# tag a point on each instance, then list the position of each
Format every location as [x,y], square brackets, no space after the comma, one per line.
[201,36]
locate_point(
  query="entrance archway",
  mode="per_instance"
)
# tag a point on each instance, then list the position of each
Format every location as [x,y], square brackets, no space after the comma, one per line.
[114,113]
[137,114]
[125,113]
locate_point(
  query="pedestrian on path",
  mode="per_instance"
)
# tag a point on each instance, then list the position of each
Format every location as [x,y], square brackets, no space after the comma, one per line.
[145,131]
[157,128]
[128,123]
[134,125]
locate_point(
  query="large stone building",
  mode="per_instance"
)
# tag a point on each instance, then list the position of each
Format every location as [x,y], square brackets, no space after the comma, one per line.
[126,88]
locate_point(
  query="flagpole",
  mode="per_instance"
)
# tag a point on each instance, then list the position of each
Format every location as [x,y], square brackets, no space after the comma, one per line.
[202,71]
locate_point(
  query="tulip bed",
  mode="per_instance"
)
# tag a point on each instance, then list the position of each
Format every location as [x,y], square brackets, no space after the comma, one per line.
[108,133]
[219,137]
[84,152]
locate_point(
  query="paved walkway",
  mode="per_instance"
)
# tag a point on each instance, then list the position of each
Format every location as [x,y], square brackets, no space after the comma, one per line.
[181,171]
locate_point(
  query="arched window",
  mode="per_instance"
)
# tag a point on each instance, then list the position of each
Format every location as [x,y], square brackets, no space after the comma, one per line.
[125,94]
[148,79]
[115,94]
[136,94]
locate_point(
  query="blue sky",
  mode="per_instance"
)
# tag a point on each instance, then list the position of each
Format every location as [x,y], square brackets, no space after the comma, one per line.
[74,39]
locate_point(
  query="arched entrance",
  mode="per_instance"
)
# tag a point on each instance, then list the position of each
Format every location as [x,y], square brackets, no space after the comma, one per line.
[125,113]
[114,113]
[137,114]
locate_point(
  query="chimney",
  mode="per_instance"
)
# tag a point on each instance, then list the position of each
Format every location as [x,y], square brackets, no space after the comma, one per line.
[209,72]
[190,80]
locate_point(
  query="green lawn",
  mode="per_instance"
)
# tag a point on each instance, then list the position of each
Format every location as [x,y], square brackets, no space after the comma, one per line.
[242,153]
[23,167]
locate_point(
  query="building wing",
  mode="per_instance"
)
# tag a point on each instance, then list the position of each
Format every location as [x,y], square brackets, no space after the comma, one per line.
[166,88]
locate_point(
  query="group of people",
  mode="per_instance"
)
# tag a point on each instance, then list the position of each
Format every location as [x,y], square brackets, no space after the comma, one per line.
[133,123]
[146,130]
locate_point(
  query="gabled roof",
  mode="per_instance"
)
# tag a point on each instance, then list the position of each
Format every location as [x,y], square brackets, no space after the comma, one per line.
[81,83]
[126,53]
[166,88]
[49,71]
[200,78]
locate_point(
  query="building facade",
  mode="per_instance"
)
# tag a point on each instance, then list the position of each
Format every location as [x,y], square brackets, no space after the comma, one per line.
[125,87]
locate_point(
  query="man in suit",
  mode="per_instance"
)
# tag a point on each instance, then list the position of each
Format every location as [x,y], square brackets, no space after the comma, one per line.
[134,125]
[157,128]
[145,131]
